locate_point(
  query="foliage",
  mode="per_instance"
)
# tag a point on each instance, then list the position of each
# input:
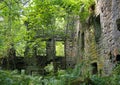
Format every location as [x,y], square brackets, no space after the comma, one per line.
[62,77]
[25,23]
[10,25]
[49,68]
[13,78]
[117,69]
[59,49]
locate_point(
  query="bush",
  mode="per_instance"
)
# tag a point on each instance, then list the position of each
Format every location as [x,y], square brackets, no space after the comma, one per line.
[13,78]
[62,77]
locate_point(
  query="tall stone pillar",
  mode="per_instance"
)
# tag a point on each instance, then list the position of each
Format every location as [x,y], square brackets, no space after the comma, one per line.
[72,42]
[109,12]
[50,49]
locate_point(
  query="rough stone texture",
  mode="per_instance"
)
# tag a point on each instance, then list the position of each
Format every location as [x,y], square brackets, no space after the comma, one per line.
[71,42]
[109,11]
[50,49]
[90,45]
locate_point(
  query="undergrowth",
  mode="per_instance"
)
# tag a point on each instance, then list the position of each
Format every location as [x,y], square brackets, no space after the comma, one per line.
[74,76]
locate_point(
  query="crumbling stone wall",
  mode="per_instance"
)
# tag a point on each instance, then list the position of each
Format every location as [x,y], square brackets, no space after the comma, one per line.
[110,36]
[90,45]
[72,42]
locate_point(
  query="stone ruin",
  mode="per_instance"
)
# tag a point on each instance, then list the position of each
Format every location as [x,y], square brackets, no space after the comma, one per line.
[91,42]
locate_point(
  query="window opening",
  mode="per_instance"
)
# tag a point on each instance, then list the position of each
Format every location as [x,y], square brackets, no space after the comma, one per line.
[94,68]
[41,49]
[59,48]
[82,41]
[118,24]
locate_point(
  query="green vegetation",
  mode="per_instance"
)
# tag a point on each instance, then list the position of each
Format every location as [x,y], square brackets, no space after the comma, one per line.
[59,49]
[62,77]
[27,25]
